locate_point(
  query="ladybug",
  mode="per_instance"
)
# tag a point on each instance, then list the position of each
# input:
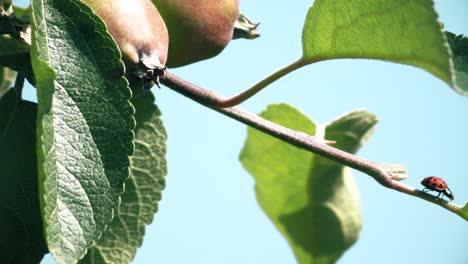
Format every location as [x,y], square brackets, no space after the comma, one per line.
[434,183]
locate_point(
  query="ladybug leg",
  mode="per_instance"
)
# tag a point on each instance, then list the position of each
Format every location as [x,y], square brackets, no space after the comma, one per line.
[443,194]
[426,190]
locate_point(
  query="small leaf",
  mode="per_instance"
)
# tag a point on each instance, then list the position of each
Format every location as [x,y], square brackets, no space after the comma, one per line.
[85,124]
[7,78]
[21,235]
[401,31]
[142,190]
[397,171]
[313,201]
[464,211]
[459,48]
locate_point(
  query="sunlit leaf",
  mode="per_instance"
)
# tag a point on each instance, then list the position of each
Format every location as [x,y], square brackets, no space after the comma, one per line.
[401,31]
[143,189]
[85,124]
[459,48]
[313,201]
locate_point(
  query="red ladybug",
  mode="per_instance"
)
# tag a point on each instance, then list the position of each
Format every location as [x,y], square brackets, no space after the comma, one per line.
[434,183]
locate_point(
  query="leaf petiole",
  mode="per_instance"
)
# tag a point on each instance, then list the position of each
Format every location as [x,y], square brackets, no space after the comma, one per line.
[221,102]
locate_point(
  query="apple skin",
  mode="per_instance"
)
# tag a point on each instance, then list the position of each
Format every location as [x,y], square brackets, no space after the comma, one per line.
[198,29]
[139,31]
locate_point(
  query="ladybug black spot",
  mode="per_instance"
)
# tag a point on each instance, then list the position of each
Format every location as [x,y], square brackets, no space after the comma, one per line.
[433,185]
[441,185]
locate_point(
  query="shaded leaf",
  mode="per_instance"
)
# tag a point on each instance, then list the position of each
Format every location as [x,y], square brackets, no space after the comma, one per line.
[313,201]
[142,190]
[85,124]
[401,31]
[459,47]
[15,46]
[14,54]
[22,13]
[21,235]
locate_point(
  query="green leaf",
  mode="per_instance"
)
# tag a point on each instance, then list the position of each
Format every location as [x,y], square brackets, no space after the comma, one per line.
[313,201]
[21,235]
[7,78]
[85,124]
[22,13]
[459,47]
[401,31]
[142,190]
[464,211]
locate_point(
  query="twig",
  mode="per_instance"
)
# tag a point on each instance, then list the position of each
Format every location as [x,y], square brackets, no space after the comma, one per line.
[455,208]
[380,172]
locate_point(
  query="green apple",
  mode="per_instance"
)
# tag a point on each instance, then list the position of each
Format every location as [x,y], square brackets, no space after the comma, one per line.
[139,31]
[198,29]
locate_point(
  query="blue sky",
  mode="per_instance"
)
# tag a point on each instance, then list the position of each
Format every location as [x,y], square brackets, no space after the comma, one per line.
[209,213]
